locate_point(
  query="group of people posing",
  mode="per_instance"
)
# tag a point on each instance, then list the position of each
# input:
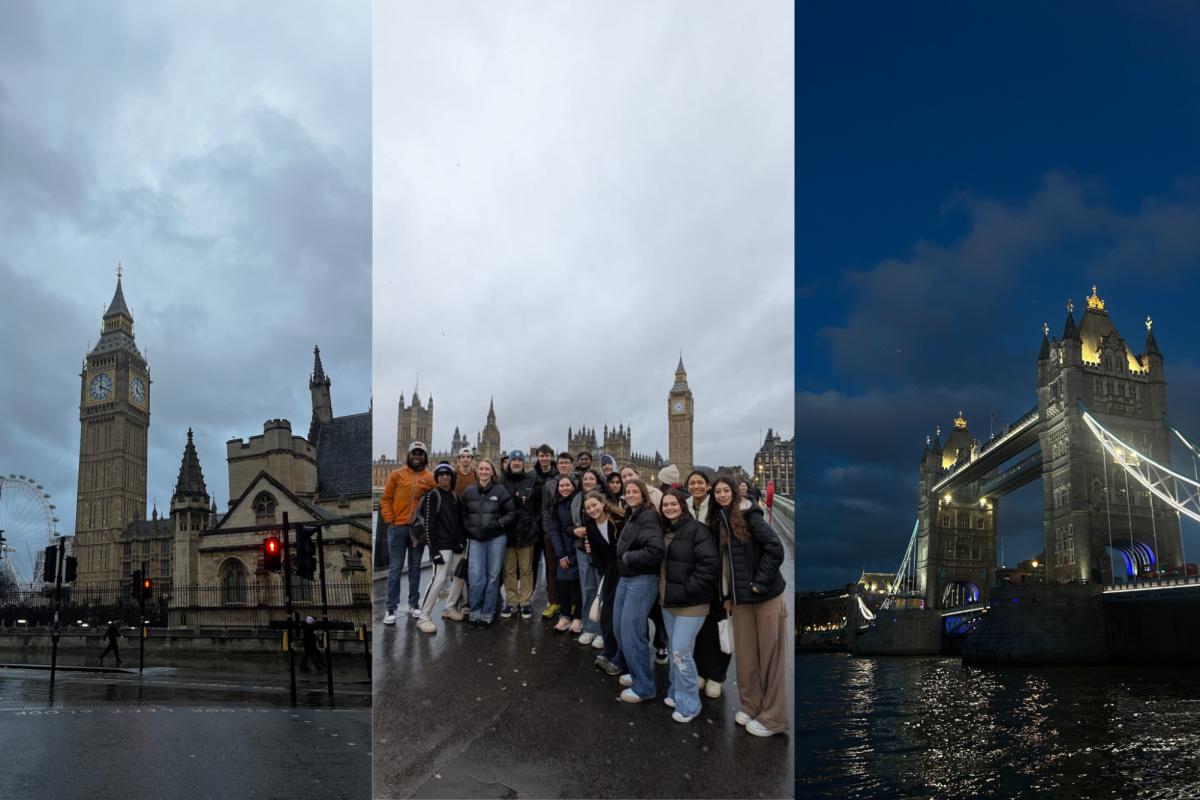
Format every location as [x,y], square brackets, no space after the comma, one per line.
[693,557]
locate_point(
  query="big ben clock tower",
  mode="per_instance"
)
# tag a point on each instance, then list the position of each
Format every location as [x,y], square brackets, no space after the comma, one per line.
[680,414]
[114,418]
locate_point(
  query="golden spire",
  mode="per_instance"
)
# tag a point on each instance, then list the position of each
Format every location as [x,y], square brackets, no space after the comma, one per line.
[1094,301]
[960,422]
[1149,322]
[1070,306]
[1045,329]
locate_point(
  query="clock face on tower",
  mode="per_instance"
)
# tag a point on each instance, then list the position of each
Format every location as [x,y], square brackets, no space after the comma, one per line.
[100,387]
[677,406]
[137,390]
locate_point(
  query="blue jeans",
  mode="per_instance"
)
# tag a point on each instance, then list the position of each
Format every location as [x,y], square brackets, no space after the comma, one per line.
[631,612]
[685,686]
[485,562]
[589,580]
[400,552]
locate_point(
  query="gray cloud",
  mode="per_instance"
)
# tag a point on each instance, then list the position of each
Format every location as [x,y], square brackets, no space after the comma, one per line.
[223,155]
[564,199]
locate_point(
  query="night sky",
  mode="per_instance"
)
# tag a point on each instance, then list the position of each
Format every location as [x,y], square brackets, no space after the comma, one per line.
[960,176]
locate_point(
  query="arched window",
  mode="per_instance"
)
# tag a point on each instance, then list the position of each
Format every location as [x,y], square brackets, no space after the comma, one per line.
[233,582]
[264,506]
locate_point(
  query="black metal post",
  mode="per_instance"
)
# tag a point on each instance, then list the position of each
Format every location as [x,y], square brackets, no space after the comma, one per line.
[287,593]
[141,625]
[57,604]
[325,612]
[362,634]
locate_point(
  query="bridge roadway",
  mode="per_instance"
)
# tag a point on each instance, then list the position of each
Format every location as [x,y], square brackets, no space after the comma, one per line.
[1017,437]
[520,711]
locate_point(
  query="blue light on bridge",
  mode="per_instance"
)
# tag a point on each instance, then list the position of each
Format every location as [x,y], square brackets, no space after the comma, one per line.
[1014,600]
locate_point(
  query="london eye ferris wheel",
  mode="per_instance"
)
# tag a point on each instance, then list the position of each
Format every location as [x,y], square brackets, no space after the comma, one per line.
[27,525]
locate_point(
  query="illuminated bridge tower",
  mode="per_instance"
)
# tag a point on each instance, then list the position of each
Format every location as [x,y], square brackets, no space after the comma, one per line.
[1127,394]
[956,538]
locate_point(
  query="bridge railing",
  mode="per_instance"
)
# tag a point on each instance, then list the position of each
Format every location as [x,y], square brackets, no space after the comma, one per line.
[1020,425]
[1159,583]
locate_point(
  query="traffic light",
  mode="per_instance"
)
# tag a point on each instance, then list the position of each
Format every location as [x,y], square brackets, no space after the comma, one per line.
[51,564]
[147,588]
[306,552]
[272,554]
[71,569]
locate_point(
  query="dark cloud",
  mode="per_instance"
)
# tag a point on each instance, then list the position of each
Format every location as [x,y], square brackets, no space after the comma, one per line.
[956,327]
[223,155]
[568,198]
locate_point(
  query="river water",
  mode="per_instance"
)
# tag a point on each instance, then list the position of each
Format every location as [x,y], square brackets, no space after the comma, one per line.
[929,727]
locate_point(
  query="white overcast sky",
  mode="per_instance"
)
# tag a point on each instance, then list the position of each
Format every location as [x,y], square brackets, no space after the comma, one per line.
[222,152]
[567,193]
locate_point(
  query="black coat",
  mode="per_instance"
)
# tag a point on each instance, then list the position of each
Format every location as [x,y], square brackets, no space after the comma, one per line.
[486,515]
[545,488]
[562,536]
[604,559]
[521,486]
[755,564]
[640,548]
[692,566]
[439,511]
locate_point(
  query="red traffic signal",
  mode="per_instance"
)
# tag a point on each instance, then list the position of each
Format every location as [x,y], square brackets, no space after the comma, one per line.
[147,588]
[272,554]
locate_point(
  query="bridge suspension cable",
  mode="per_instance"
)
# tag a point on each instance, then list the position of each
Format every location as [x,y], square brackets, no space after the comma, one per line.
[907,574]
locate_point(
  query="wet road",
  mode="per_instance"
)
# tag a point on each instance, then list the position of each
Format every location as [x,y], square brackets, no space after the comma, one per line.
[176,732]
[520,711]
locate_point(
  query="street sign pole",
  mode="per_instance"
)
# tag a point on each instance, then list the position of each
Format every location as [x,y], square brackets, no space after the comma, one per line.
[287,593]
[57,604]
[141,626]
[325,611]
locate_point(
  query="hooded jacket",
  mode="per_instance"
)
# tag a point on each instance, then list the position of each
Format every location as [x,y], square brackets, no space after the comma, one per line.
[562,536]
[524,532]
[755,564]
[440,512]
[487,513]
[463,480]
[640,548]
[404,490]
[691,566]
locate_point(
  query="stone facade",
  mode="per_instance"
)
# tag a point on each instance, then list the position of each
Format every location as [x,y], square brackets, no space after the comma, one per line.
[776,461]
[1041,624]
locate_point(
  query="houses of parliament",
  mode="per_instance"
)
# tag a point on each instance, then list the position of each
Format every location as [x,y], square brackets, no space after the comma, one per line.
[414,423]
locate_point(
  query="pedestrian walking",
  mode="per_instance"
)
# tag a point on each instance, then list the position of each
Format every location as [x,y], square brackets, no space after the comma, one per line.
[308,636]
[440,517]
[520,570]
[112,634]
[687,585]
[639,555]
[398,506]
[752,588]
[487,512]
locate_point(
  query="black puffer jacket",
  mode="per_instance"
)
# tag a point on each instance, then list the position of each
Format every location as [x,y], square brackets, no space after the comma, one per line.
[546,487]
[692,566]
[520,485]
[487,513]
[755,564]
[439,511]
[640,548]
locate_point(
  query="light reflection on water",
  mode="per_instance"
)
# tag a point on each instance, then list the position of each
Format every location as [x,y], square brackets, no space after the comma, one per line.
[928,727]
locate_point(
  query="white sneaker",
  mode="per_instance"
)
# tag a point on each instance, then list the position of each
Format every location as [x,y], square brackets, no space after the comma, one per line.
[390,619]
[680,717]
[626,679]
[669,702]
[753,726]
[598,642]
[414,612]
[712,689]
[629,697]
[587,638]
[426,626]
[741,718]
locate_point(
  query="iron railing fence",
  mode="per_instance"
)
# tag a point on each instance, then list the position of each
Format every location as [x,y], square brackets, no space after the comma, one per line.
[252,606]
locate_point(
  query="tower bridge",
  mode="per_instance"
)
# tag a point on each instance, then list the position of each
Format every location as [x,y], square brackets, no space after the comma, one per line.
[1100,440]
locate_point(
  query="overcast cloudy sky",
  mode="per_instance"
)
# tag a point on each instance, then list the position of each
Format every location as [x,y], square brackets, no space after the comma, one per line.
[222,153]
[564,197]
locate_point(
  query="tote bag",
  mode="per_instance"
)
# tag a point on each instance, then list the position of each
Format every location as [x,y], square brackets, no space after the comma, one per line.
[725,632]
[597,605]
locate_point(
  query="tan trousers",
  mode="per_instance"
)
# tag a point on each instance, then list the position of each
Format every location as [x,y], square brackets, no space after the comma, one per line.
[518,591]
[760,649]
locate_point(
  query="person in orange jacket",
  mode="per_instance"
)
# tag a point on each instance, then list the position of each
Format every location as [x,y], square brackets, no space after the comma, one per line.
[398,506]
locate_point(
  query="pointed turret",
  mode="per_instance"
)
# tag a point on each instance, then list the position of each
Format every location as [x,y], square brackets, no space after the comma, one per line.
[1044,353]
[322,401]
[191,479]
[318,376]
[1071,330]
[118,307]
[491,415]
[1151,345]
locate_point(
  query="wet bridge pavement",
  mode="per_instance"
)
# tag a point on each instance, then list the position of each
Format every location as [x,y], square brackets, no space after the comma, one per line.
[520,711]
[227,730]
